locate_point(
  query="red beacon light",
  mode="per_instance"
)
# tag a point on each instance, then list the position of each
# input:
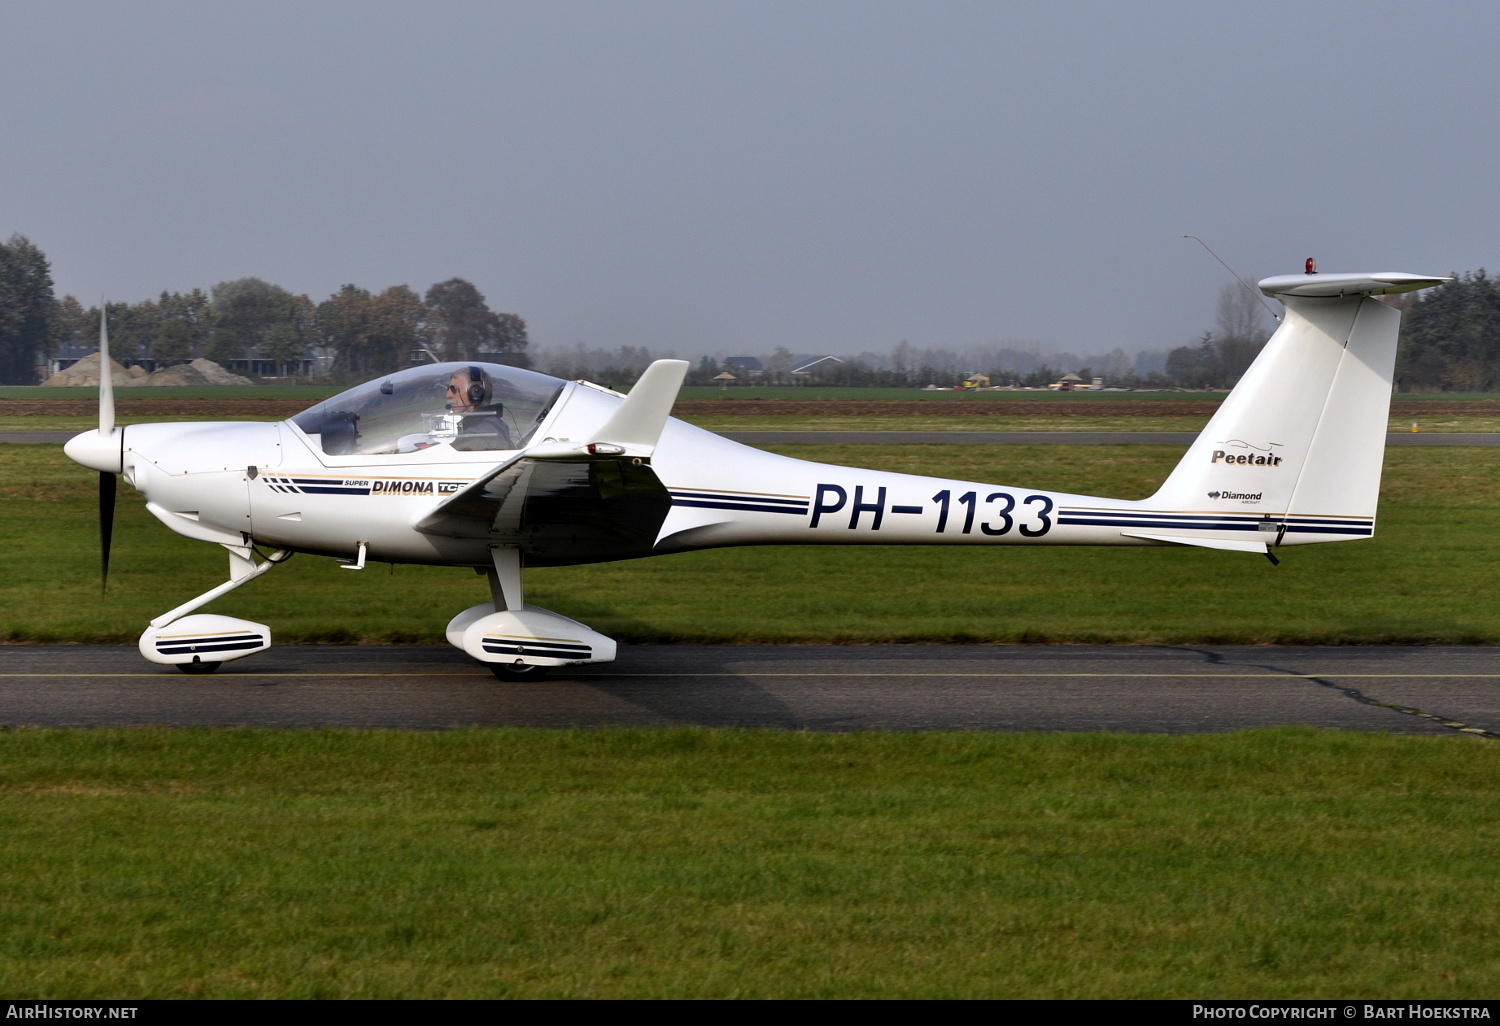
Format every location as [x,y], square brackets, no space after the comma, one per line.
[1311,267]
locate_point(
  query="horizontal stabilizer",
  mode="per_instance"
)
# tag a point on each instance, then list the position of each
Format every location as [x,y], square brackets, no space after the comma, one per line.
[1258,547]
[1332,286]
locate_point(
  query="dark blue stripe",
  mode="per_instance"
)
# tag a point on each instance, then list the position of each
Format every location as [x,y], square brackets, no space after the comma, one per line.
[1221,526]
[802,510]
[906,509]
[1180,525]
[208,640]
[1295,519]
[535,650]
[532,648]
[336,491]
[739,498]
[1163,513]
[227,646]
[1252,518]
[1296,529]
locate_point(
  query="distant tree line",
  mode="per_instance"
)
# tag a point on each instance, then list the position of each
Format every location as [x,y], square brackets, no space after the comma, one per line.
[1241,329]
[1450,338]
[27,309]
[353,334]
[1450,342]
[1215,360]
[905,366]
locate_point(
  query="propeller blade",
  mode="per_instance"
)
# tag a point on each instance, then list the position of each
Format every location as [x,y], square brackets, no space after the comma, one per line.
[106,523]
[106,382]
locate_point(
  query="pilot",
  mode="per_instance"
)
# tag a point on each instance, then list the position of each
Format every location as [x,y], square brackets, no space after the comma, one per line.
[468,390]
[469,393]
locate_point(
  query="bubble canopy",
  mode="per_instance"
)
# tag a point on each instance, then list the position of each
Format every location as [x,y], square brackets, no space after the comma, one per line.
[464,406]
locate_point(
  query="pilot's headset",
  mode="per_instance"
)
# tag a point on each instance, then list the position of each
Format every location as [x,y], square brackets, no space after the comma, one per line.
[480,388]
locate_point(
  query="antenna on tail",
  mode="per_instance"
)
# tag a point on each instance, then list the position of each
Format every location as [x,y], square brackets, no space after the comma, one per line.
[1253,291]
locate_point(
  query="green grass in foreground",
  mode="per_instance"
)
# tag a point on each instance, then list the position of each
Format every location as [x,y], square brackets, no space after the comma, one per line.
[1432,573]
[699,863]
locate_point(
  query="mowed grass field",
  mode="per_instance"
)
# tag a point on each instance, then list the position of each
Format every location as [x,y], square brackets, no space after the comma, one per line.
[699,863]
[705,863]
[1431,574]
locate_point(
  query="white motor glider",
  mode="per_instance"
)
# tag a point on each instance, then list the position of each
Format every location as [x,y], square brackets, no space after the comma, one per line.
[497,468]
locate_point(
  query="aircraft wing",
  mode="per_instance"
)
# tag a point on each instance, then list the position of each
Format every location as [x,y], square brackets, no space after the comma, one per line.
[560,511]
[561,503]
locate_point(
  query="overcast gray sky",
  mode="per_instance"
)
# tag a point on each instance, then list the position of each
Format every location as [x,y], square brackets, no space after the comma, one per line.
[722,176]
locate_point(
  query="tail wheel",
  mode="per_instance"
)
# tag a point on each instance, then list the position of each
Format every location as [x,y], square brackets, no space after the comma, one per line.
[518,671]
[198,667]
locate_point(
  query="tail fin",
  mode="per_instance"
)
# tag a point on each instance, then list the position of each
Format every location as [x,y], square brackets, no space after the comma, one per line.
[1301,438]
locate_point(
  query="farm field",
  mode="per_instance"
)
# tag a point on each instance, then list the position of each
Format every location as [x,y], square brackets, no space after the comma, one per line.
[1429,575]
[692,863]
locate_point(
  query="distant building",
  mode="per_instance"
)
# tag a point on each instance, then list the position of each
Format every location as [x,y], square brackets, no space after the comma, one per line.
[745,366]
[1073,383]
[258,366]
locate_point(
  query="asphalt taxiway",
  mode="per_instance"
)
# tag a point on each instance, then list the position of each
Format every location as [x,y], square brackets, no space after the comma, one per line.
[1439,690]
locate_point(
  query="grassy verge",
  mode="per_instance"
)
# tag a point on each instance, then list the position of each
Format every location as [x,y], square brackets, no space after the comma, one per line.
[698,863]
[833,394]
[1430,575]
[1092,422]
[919,423]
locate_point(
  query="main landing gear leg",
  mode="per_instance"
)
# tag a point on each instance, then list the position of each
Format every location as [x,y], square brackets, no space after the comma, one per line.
[505,591]
[201,643]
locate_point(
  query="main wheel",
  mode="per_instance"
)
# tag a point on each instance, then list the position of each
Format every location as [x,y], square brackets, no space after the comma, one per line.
[510,671]
[198,667]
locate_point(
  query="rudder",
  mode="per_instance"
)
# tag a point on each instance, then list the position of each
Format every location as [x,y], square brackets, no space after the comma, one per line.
[1301,438]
